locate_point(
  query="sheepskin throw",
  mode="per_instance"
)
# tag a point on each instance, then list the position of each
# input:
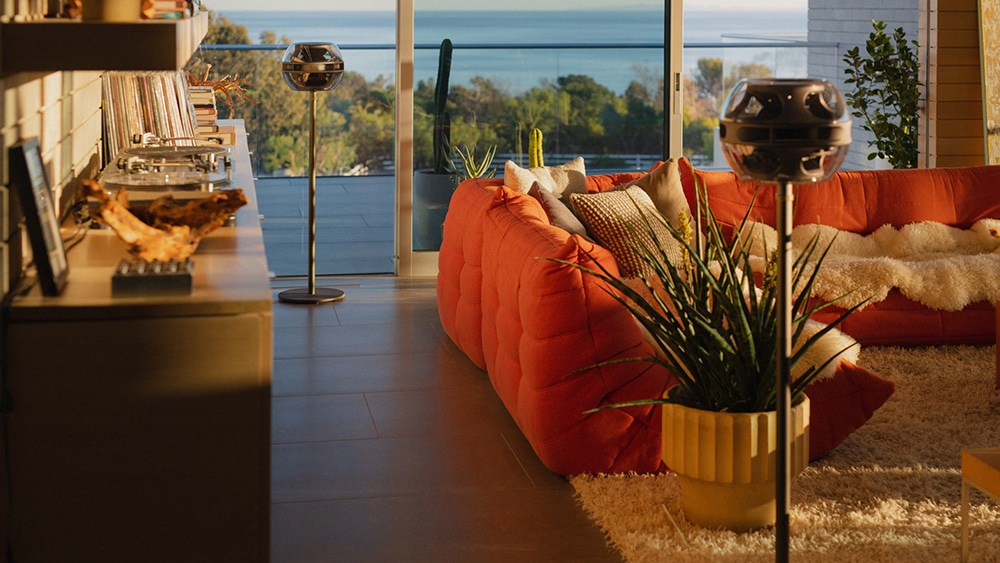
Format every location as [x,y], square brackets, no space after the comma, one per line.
[936,265]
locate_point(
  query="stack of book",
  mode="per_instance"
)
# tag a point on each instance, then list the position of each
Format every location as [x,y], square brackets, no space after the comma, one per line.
[207,130]
[205,112]
[164,9]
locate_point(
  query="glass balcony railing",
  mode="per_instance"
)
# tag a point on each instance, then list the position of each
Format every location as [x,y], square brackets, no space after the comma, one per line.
[604,100]
[600,101]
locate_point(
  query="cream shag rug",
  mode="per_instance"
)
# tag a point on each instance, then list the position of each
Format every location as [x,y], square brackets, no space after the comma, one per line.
[890,492]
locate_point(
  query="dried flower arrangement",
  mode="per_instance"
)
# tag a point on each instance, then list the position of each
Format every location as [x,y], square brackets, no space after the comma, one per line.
[225,88]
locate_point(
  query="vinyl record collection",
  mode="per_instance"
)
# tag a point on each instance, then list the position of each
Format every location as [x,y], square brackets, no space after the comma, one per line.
[136,103]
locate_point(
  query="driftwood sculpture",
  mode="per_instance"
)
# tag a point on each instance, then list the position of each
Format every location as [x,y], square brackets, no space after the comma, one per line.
[164,229]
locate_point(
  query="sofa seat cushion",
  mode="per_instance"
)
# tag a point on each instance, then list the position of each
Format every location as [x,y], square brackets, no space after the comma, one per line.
[899,321]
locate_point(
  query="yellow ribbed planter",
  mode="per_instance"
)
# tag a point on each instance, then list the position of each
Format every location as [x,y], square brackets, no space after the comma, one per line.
[725,463]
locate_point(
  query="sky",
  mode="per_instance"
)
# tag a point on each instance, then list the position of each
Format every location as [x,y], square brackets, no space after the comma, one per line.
[221,5]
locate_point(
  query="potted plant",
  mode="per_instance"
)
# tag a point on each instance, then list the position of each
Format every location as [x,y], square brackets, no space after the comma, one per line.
[432,188]
[886,94]
[228,88]
[715,329]
[473,165]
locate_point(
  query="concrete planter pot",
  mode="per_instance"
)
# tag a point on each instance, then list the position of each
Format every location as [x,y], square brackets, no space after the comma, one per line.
[725,463]
[431,196]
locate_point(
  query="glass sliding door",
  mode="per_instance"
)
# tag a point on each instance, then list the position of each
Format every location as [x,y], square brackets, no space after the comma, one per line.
[591,80]
[354,125]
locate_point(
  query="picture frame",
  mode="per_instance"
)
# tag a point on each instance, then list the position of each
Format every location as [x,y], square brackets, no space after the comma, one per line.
[31,185]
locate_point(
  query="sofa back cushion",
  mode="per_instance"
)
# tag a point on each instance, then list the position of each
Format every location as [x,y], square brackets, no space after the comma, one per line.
[604,182]
[861,201]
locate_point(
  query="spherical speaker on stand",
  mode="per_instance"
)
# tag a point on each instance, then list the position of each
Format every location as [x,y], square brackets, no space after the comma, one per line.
[784,132]
[312,67]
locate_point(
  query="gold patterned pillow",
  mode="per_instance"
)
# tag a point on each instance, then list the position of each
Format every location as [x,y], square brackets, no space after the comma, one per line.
[617,219]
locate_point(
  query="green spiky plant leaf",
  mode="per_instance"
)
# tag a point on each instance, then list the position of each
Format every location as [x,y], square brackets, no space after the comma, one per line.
[713,330]
[473,165]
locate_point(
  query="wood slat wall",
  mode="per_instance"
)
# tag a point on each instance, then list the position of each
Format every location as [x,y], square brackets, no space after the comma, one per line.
[954,113]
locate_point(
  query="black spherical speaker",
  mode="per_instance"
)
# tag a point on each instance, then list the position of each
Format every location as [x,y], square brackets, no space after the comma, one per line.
[312,66]
[792,130]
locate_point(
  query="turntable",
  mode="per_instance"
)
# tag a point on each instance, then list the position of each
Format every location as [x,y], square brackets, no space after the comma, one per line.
[154,169]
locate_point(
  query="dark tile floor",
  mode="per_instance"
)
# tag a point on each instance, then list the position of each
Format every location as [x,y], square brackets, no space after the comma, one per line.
[388,444]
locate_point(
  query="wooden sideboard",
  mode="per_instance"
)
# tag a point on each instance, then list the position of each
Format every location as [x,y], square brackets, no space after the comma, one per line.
[140,426]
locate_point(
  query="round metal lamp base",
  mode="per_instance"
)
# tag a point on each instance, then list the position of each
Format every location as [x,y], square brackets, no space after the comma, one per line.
[304,296]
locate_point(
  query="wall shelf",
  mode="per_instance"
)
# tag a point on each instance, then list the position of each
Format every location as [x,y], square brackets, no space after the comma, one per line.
[150,440]
[50,45]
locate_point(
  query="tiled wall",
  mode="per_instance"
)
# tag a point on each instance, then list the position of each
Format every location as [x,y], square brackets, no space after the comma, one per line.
[62,109]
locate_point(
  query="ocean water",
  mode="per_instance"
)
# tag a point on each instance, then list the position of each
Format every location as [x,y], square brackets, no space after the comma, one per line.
[366,39]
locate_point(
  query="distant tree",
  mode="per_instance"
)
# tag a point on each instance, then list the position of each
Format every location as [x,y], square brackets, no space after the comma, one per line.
[221,31]
[709,79]
[746,70]
[641,128]
[696,101]
[371,128]
[540,106]
[638,92]
[698,133]
[591,106]
[703,96]
[480,101]
[232,64]
[711,84]
[355,122]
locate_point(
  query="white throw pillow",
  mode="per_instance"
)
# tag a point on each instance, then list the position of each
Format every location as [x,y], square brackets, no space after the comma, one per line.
[562,180]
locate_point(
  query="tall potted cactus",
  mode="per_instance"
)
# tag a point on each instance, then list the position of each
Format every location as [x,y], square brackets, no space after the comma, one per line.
[535,158]
[432,187]
[442,119]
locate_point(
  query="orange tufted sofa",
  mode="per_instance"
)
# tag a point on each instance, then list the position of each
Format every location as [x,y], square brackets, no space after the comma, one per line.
[863,201]
[536,327]
[531,323]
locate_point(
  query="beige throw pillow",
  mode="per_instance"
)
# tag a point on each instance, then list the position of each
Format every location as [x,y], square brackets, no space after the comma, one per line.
[617,220]
[663,185]
[563,179]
